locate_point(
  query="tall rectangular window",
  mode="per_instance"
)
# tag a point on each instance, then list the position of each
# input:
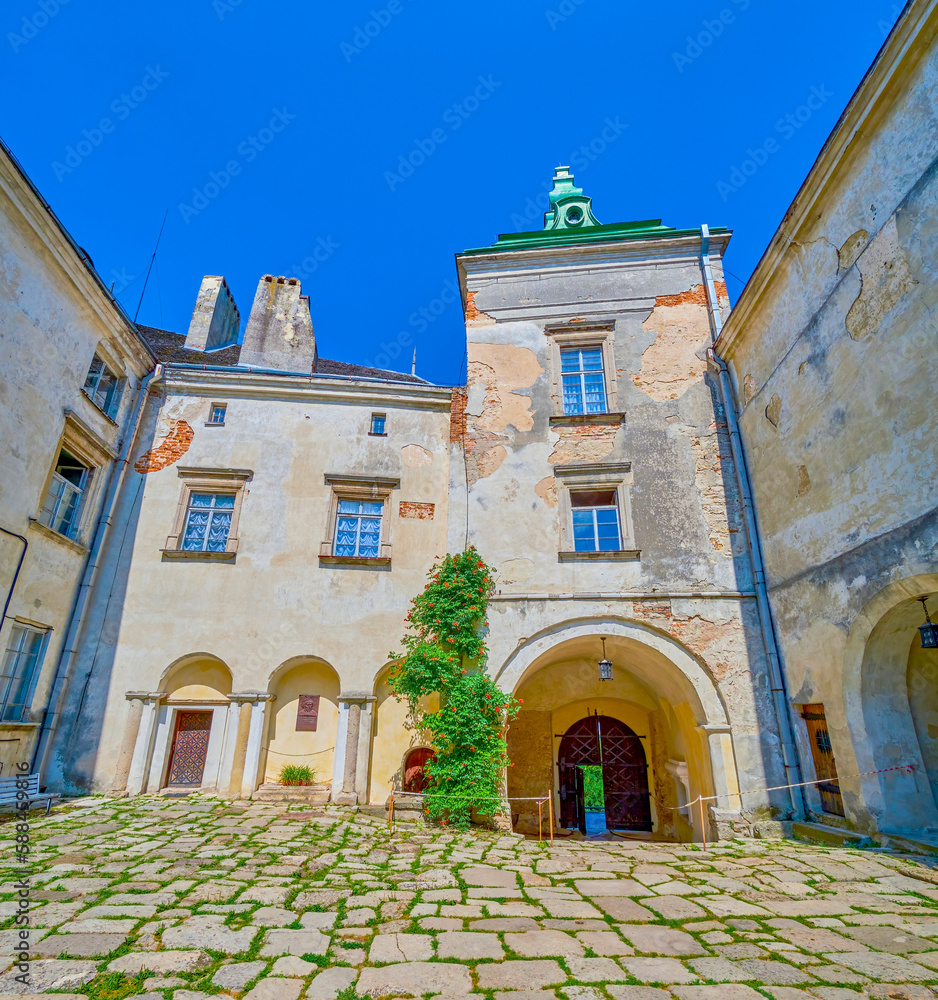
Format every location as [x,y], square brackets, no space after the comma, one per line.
[358,528]
[595,521]
[62,504]
[584,382]
[208,522]
[19,671]
[103,387]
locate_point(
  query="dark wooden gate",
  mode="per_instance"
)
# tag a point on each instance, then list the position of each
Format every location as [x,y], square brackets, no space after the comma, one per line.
[824,764]
[599,739]
[190,745]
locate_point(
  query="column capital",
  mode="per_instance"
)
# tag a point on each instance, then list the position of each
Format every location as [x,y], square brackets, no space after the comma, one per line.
[243,696]
[356,698]
[715,728]
[145,695]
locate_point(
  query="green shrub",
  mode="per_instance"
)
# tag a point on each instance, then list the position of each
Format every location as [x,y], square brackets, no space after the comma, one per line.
[293,774]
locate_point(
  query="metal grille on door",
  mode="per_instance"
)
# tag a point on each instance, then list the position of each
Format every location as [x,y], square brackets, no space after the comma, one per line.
[824,764]
[190,745]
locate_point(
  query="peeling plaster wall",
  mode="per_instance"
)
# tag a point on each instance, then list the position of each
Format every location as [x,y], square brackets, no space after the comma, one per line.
[684,506]
[54,316]
[836,353]
[275,602]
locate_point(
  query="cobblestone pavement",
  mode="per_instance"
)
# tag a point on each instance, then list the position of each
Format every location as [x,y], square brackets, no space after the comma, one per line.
[179,899]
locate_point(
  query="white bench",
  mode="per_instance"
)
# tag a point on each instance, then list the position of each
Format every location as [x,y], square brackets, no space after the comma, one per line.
[12,787]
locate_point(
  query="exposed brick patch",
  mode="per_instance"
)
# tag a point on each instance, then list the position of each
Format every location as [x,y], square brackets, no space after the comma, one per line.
[583,443]
[169,451]
[475,316]
[647,610]
[697,295]
[457,414]
[421,511]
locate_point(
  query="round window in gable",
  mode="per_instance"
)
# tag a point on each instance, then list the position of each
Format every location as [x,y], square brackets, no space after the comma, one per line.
[574,216]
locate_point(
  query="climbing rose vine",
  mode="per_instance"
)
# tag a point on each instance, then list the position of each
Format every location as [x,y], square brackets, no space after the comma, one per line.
[445,656]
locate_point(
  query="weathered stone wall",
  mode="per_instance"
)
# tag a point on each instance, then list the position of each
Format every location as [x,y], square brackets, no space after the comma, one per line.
[510,440]
[278,620]
[834,347]
[54,315]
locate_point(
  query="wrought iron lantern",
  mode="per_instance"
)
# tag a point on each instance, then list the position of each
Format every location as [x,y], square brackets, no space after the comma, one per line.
[605,667]
[928,631]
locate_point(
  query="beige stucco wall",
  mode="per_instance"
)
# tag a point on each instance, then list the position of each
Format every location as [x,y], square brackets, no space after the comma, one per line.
[281,622]
[54,315]
[834,349]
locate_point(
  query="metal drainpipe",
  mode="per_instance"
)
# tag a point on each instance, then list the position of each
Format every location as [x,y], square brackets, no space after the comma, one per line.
[63,670]
[727,397]
[19,566]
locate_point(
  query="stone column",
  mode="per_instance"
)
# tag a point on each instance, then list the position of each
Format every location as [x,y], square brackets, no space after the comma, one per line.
[363,763]
[352,705]
[128,743]
[240,721]
[726,808]
[139,770]
[257,730]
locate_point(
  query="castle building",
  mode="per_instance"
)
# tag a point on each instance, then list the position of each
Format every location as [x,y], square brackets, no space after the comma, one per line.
[713,532]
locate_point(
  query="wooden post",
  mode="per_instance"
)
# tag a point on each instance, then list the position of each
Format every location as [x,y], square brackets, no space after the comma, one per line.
[550,813]
[703,828]
[391,814]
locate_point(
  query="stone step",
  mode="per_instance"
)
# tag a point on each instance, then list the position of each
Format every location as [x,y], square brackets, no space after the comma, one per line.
[818,833]
[273,791]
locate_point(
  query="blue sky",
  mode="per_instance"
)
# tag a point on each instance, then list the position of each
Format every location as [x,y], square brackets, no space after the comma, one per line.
[359,146]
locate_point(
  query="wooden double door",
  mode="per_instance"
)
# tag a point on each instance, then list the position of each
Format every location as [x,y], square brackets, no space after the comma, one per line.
[190,747]
[604,741]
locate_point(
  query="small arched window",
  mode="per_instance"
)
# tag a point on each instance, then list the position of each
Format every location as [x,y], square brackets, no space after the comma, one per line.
[415,780]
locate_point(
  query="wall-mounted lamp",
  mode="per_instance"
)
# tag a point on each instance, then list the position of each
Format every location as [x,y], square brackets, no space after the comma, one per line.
[928,631]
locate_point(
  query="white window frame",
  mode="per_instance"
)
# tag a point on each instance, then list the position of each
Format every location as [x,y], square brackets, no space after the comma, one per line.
[580,374]
[64,490]
[583,338]
[214,510]
[14,654]
[596,477]
[214,481]
[614,506]
[112,400]
[212,422]
[362,489]
[383,417]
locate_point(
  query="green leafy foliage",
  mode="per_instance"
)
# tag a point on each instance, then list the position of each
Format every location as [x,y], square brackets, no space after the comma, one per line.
[593,787]
[294,774]
[445,656]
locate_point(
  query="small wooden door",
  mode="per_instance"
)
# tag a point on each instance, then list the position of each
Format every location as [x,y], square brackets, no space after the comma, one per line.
[825,766]
[190,745]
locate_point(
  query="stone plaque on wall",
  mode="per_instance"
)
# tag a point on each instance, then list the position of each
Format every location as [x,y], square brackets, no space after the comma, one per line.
[307,713]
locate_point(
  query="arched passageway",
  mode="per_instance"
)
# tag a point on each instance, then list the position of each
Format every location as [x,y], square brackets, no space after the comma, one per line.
[665,718]
[891,698]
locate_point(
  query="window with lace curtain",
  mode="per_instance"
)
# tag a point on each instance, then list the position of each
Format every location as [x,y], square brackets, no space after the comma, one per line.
[207,517]
[208,522]
[358,528]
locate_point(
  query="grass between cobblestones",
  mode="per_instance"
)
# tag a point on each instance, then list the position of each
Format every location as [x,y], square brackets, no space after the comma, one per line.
[782,918]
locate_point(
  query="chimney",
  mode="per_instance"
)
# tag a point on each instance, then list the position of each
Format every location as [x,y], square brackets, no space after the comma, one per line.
[280,332]
[216,321]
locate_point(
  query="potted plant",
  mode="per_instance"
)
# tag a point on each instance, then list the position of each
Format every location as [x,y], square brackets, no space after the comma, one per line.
[297,774]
